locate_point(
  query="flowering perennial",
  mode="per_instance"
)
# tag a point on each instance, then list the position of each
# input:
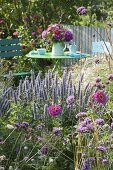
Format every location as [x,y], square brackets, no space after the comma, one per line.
[57,33]
[55,110]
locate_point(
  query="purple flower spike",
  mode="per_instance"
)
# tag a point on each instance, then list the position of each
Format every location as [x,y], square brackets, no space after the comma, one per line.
[86,165]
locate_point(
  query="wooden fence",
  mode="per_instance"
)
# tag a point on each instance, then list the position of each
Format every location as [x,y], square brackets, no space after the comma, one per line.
[84,36]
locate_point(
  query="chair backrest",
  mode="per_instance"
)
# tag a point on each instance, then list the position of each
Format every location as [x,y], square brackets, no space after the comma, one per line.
[10,48]
[101,47]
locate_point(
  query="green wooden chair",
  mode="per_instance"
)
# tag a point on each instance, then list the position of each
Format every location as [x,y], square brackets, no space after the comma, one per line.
[11,48]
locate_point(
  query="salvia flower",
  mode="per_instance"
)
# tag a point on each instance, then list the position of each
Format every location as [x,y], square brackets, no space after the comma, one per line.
[26,18]
[100,97]
[55,110]
[70,99]
[86,165]
[101,148]
[81,10]
[44,150]
[99,121]
[15,33]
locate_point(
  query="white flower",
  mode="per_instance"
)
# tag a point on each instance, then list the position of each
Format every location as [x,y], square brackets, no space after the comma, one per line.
[10,126]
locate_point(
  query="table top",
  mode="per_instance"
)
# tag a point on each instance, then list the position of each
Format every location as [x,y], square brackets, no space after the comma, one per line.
[77,55]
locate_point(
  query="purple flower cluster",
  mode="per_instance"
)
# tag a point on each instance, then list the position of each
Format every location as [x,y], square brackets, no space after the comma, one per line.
[22,125]
[85,126]
[57,33]
[81,10]
[110,77]
[81,114]
[44,150]
[86,165]
[70,99]
[101,148]
[56,131]
[55,110]
[99,121]
[100,97]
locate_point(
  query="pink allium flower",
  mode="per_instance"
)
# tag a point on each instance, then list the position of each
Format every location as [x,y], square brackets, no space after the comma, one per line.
[81,10]
[70,99]
[55,110]
[33,33]
[15,33]
[100,97]
[44,33]
[112,125]
[23,46]
[2,21]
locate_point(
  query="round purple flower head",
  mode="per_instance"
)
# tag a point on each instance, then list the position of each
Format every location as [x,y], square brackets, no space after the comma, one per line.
[110,77]
[81,10]
[99,121]
[68,36]
[44,150]
[81,114]
[70,99]
[55,110]
[104,161]
[26,18]
[98,79]
[56,130]
[40,126]
[100,97]
[86,165]
[101,148]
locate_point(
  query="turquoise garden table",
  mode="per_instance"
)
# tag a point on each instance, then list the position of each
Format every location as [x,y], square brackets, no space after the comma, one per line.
[77,56]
